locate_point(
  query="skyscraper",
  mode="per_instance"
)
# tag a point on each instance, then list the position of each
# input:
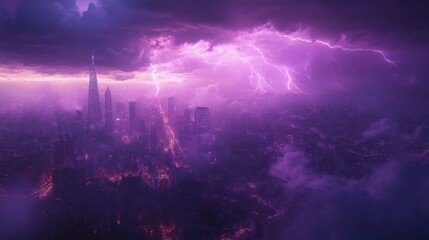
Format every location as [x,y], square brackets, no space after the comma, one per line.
[171,110]
[202,120]
[108,115]
[94,111]
[133,115]
[63,150]
[120,111]
[187,121]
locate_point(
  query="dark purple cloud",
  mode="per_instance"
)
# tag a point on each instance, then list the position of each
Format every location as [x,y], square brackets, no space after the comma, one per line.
[54,32]
[389,204]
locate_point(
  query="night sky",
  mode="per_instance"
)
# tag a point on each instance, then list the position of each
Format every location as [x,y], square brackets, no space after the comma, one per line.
[43,38]
[58,36]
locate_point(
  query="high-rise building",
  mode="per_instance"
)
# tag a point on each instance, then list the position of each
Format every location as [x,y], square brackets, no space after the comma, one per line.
[202,120]
[108,116]
[133,115]
[78,123]
[186,124]
[205,138]
[94,111]
[120,111]
[171,110]
[63,150]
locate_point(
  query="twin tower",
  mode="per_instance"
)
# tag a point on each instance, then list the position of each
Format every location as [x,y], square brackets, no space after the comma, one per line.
[94,108]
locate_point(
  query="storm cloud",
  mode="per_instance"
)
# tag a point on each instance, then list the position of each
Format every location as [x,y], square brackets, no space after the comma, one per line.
[58,32]
[58,36]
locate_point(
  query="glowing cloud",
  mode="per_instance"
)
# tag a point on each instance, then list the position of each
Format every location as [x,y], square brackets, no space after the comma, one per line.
[263,60]
[279,69]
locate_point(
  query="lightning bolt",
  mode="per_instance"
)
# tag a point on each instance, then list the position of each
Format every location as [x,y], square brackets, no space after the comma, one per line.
[197,51]
[206,60]
[261,62]
[173,143]
[261,81]
[331,46]
[282,69]
[153,73]
[269,29]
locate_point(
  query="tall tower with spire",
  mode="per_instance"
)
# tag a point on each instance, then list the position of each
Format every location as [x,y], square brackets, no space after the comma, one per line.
[108,115]
[94,111]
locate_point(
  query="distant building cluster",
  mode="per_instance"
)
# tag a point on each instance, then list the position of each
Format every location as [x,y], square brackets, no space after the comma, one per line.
[153,168]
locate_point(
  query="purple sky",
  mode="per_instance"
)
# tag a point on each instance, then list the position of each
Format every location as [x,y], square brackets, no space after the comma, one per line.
[220,47]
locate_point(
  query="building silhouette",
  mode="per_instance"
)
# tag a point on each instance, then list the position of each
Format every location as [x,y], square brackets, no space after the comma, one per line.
[171,110]
[133,116]
[108,115]
[94,111]
[121,113]
[63,150]
[202,120]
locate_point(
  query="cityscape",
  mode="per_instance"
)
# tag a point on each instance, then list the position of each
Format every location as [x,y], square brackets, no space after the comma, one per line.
[213,120]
